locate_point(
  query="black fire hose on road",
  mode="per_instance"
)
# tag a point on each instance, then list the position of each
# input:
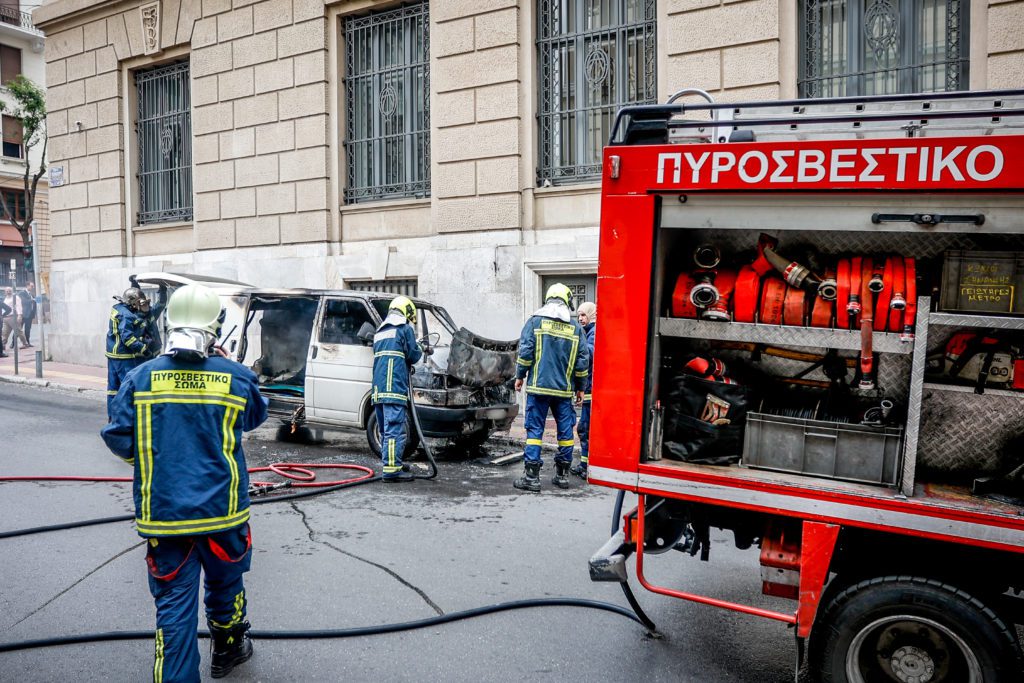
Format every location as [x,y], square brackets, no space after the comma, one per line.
[419,431]
[652,628]
[337,633]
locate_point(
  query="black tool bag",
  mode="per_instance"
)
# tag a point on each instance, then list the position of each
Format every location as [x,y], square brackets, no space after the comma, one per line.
[704,420]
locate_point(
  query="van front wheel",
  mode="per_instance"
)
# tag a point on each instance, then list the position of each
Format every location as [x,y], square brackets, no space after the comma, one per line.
[412,438]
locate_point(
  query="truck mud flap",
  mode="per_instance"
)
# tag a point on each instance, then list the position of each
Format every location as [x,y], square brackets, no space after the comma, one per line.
[480,362]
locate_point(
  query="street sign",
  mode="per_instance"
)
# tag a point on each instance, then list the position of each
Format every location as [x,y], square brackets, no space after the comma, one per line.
[56,176]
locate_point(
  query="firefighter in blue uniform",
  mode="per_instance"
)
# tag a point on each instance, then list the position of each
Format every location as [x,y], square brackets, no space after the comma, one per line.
[179,420]
[395,351]
[553,355]
[131,338]
[587,316]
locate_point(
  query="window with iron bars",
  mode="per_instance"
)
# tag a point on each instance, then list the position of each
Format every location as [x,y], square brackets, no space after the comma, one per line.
[396,286]
[882,47]
[164,138]
[387,104]
[595,56]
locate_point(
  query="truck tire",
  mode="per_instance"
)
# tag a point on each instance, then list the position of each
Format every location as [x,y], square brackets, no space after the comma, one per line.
[412,438]
[905,629]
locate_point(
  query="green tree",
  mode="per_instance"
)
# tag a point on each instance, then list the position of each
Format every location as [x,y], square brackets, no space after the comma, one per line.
[30,109]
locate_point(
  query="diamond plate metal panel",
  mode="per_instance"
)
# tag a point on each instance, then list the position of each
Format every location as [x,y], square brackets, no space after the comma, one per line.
[969,434]
[780,334]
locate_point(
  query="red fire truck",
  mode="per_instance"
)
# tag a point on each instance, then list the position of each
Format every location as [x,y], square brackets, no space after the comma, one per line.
[810,339]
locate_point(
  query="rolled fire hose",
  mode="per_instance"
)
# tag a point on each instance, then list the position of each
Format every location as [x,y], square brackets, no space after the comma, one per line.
[910,313]
[822,310]
[793,307]
[884,294]
[773,298]
[853,305]
[745,295]
[682,306]
[867,360]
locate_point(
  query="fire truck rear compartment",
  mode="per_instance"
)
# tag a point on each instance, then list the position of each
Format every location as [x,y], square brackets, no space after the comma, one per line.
[948,435]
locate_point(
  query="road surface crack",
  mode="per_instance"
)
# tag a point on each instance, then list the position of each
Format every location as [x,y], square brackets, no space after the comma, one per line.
[88,574]
[395,575]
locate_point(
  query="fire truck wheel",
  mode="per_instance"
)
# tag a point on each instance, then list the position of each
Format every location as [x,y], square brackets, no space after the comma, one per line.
[904,629]
[412,439]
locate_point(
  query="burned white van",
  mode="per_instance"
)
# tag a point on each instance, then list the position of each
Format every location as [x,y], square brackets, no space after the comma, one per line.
[313,353]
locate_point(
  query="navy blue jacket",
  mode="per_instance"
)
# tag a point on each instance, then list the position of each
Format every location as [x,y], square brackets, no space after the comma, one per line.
[130,334]
[180,424]
[554,354]
[394,350]
[590,330]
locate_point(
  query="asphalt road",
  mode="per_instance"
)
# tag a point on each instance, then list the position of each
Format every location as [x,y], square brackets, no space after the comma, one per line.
[370,555]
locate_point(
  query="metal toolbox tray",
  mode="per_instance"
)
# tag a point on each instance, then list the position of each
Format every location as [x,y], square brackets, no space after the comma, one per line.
[833,450]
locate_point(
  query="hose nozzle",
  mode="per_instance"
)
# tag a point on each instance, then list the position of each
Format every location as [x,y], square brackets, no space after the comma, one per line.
[707,256]
[876,284]
[828,290]
[704,293]
[898,302]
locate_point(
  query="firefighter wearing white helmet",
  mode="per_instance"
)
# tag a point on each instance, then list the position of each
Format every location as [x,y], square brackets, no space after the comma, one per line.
[178,419]
[395,351]
[553,365]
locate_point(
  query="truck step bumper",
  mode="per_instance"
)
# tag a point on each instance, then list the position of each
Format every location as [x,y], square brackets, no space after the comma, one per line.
[609,563]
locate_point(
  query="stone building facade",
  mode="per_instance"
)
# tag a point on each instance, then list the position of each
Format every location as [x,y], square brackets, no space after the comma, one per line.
[509,199]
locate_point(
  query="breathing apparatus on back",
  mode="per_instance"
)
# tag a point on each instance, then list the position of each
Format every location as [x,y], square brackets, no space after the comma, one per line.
[194,320]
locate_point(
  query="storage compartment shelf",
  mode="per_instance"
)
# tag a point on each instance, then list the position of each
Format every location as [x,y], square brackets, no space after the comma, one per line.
[965,389]
[1003,322]
[883,342]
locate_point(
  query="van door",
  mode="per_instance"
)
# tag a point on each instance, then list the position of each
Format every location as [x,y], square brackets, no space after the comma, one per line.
[339,373]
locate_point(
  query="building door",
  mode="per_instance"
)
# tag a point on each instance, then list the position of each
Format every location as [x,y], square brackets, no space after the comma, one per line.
[583,287]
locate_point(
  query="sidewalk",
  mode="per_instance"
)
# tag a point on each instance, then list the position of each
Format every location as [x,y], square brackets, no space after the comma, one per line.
[63,376]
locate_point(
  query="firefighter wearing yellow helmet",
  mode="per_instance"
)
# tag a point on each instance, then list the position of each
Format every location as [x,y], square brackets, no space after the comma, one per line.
[394,351]
[178,419]
[553,365]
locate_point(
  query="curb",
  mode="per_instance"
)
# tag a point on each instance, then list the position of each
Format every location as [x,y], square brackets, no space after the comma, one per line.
[55,386]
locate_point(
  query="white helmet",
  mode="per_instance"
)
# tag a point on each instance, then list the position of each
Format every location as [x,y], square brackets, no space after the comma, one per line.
[194,319]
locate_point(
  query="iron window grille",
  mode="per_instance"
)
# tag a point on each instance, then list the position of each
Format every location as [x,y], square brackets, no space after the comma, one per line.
[387,104]
[164,131]
[881,47]
[398,287]
[594,56]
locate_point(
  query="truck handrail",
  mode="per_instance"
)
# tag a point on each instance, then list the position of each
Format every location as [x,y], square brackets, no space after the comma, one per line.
[663,112]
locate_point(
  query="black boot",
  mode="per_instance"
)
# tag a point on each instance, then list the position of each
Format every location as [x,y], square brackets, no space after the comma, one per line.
[229,647]
[580,470]
[560,480]
[530,481]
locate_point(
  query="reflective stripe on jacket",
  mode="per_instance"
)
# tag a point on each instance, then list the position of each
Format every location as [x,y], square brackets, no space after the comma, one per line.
[394,350]
[554,354]
[180,424]
[126,333]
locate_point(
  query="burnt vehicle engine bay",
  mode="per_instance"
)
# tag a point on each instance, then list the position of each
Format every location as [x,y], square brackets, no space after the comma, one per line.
[313,357]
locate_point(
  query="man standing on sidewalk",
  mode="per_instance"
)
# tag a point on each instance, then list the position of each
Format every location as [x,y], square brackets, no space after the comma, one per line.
[13,323]
[5,311]
[587,315]
[28,300]
[553,354]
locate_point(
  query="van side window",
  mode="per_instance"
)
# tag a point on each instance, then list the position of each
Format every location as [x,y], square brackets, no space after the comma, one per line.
[342,321]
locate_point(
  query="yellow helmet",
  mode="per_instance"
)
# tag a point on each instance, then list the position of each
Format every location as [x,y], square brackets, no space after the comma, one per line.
[405,306]
[560,292]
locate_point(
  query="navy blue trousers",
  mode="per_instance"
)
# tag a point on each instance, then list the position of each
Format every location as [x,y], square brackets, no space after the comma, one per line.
[583,430]
[117,370]
[537,407]
[174,565]
[391,421]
